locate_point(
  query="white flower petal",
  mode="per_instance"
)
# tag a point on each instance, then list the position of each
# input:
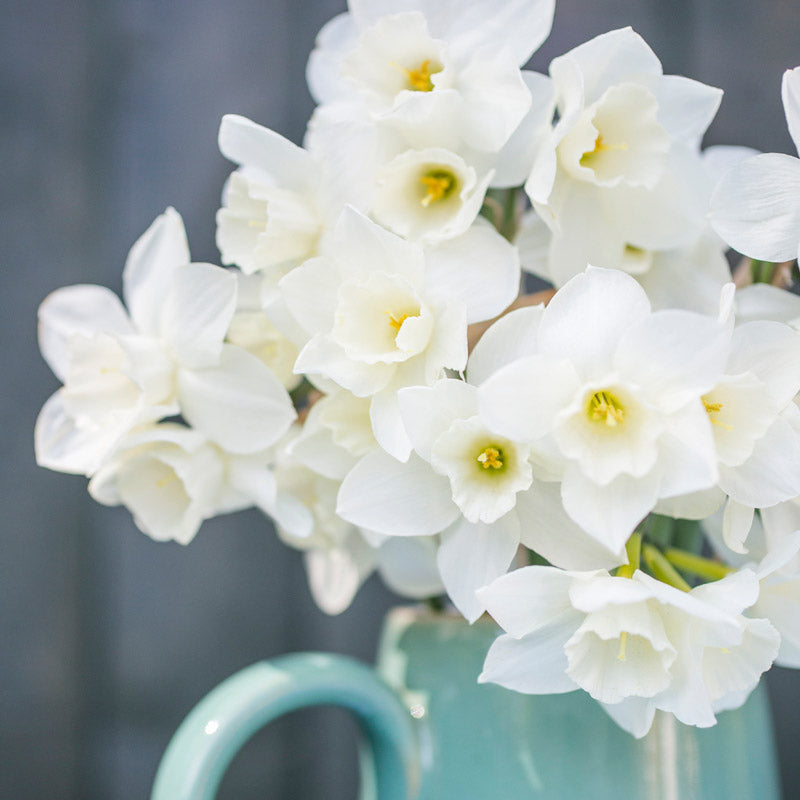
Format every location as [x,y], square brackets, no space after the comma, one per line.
[472,555]
[196,312]
[587,317]
[519,26]
[772,473]
[245,142]
[252,479]
[495,99]
[512,336]
[728,672]
[239,404]
[696,505]
[790,93]
[686,107]
[61,444]
[547,530]
[361,248]
[337,36]
[387,424]
[480,268]
[310,292]
[515,160]
[677,355]
[522,399]
[322,356]
[771,351]
[408,566]
[533,665]
[394,498]
[687,457]
[609,513]
[149,266]
[756,207]
[427,412]
[531,598]
[335,574]
[77,310]
[633,714]
[614,57]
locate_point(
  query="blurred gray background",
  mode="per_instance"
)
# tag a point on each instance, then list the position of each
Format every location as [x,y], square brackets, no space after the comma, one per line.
[110,111]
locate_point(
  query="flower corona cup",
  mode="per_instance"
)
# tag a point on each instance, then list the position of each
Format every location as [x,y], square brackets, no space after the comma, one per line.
[613,476]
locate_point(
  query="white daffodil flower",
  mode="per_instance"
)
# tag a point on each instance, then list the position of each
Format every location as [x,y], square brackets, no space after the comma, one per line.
[165,356]
[429,195]
[168,476]
[618,388]
[756,428]
[756,206]
[471,485]
[276,206]
[634,644]
[382,314]
[419,187]
[621,177]
[431,63]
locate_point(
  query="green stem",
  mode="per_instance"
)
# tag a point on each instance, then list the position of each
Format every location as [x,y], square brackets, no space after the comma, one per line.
[500,207]
[633,547]
[662,570]
[762,271]
[697,565]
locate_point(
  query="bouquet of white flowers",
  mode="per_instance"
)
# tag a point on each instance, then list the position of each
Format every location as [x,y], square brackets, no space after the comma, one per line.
[610,469]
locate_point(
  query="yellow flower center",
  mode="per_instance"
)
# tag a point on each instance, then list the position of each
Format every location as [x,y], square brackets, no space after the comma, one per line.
[715,408]
[491,458]
[438,184]
[600,146]
[605,408]
[419,80]
[397,321]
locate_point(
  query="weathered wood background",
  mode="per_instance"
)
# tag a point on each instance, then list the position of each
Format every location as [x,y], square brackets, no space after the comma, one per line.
[109,112]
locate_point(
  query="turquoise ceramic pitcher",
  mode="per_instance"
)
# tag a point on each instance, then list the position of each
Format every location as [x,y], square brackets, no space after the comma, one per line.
[433,733]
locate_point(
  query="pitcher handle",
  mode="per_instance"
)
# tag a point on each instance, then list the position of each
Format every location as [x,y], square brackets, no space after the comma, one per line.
[215,730]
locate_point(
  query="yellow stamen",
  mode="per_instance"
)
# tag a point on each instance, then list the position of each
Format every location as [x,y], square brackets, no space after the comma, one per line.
[623,644]
[601,146]
[605,408]
[397,322]
[438,184]
[166,480]
[715,408]
[419,80]
[492,458]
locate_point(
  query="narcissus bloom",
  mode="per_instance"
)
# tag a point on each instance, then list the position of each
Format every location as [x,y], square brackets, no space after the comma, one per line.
[381,313]
[634,644]
[433,63]
[164,356]
[618,389]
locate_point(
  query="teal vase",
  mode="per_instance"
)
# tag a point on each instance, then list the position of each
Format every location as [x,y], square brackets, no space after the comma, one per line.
[432,732]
